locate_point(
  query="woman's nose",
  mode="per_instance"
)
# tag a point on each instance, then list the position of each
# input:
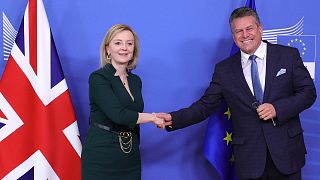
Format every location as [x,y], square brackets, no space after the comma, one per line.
[124,46]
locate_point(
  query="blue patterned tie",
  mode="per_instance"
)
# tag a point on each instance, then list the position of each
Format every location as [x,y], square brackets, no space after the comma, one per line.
[257,89]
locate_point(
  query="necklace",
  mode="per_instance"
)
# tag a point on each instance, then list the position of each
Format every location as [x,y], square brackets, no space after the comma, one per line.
[123,79]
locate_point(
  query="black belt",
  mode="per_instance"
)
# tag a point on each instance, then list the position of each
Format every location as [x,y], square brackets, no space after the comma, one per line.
[125,138]
[107,128]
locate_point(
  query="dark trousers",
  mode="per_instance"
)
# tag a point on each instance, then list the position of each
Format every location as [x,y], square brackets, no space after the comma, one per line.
[272,173]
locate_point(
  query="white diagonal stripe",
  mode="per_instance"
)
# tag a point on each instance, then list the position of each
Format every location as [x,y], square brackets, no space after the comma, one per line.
[72,134]
[13,121]
[42,168]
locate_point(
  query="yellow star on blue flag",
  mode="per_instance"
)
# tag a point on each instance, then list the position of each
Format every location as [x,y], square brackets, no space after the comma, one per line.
[228,137]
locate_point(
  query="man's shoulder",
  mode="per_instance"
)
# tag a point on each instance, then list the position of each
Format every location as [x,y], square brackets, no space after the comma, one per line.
[229,60]
[280,47]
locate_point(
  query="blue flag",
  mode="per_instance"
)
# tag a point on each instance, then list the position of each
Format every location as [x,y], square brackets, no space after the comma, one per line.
[307,48]
[305,43]
[217,145]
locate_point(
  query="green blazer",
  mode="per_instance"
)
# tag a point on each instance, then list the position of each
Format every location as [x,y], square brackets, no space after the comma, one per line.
[112,106]
[110,103]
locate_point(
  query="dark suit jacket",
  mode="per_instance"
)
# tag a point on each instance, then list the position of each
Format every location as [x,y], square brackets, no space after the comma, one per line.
[289,93]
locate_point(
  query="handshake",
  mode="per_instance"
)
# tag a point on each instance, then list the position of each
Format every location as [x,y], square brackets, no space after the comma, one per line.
[161,120]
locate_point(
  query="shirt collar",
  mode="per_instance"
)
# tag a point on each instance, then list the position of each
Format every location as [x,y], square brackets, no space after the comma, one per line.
[260,53]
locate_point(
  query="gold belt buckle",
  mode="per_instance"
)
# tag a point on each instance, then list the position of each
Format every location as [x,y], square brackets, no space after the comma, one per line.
[125,141]
[125,134]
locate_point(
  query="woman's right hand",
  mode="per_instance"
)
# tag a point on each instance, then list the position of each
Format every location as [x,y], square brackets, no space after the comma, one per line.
[159,122]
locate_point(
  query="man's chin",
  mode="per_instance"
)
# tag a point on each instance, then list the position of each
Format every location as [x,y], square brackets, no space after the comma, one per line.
[247,50]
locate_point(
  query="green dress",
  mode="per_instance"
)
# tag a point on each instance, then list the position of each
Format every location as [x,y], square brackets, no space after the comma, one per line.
[112,106]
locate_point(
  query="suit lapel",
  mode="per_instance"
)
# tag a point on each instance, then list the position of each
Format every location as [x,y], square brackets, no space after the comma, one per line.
[117,84]
[271,61]
[132,87]
[239,76]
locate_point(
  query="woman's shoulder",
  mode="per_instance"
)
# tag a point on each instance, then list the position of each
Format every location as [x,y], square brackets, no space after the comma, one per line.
[101,74]
[106,70]
[134,76]
[97,72]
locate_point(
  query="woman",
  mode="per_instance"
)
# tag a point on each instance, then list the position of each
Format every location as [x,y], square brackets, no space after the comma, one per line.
[111,150]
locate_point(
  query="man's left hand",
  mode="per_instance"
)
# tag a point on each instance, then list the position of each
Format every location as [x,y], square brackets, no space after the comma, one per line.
[266,111]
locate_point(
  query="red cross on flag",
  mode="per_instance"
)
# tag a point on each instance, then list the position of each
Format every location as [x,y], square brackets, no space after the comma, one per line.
[39,136]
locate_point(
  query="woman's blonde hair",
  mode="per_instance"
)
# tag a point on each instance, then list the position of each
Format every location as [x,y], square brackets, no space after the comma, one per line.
[112,32]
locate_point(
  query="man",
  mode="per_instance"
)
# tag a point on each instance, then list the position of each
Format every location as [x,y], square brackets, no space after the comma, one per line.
[265,94]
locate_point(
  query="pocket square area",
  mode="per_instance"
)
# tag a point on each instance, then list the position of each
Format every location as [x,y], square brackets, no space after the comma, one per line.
[280,72]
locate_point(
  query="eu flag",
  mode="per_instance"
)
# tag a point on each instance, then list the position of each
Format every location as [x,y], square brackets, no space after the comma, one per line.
[305,43]
[217,145]
[307,48]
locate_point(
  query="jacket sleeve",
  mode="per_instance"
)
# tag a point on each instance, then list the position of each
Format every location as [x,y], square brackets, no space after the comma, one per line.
[201,109]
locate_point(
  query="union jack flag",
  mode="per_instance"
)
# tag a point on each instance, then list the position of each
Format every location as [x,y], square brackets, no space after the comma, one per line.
[39,136]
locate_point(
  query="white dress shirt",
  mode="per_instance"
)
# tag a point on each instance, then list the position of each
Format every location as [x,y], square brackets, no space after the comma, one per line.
[261,54]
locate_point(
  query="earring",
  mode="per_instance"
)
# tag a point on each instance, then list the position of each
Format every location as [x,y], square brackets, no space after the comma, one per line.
[108,57]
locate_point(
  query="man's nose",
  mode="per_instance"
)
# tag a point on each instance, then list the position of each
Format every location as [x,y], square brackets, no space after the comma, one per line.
[245,33]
